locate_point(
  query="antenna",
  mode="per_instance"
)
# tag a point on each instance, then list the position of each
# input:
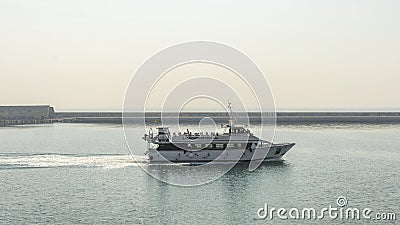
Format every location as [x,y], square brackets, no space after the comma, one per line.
[230,108]
[231,120]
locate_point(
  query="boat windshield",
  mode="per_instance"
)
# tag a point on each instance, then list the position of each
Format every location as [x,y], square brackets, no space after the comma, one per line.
[263,143]
[236,130]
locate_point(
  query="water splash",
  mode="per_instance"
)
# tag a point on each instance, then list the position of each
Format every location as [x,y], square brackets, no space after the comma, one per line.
[49,160]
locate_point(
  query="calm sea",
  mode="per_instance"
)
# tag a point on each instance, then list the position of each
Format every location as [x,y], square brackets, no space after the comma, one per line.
[83,174]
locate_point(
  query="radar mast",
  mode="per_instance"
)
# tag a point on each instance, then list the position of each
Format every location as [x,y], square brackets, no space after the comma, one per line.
[231,120]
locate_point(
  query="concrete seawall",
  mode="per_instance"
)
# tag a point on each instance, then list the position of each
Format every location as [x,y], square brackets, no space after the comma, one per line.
[25,114]
[36,114]
[282,117]
[218,117]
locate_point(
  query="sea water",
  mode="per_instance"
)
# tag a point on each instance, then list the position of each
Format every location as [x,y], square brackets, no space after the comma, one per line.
[84,174]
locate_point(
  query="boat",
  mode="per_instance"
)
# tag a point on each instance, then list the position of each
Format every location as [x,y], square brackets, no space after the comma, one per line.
[235,144]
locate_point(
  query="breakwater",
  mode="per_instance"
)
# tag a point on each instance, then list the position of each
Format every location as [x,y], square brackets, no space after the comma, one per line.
[220,117]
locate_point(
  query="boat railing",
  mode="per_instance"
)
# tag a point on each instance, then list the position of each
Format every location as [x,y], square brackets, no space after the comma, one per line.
[200,135]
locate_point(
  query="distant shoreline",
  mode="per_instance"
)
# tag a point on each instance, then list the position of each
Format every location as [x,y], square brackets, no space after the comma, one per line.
[282,118]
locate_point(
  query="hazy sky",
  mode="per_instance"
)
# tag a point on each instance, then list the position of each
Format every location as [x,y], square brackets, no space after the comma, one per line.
[315,54]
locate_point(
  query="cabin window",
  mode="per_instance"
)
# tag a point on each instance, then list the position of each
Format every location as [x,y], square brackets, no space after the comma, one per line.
[219,146]
[231,145]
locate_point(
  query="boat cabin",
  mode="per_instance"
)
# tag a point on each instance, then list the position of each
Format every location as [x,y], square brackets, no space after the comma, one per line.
[236,130]
[163,134]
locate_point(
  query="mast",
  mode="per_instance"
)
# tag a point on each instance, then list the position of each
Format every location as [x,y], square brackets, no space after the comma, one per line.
[231,120]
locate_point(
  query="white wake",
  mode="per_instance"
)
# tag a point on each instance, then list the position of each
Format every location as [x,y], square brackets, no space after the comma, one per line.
[10,161]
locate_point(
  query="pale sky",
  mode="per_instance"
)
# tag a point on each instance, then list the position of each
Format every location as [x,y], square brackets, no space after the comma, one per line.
[80,55]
